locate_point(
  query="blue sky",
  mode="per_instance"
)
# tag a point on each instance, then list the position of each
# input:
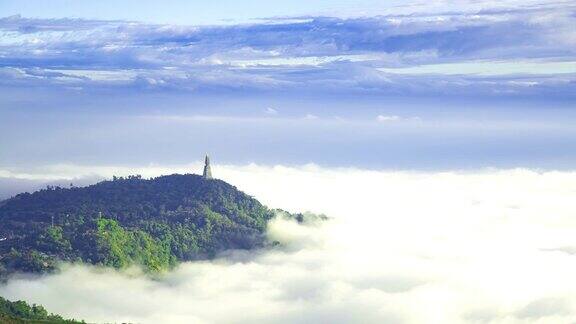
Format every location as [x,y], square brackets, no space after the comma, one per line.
[401,84]
[185,12]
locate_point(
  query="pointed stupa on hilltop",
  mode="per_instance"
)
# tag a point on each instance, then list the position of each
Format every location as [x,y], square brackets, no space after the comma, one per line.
[207,170]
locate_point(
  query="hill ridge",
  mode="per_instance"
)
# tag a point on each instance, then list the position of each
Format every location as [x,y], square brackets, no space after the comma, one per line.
[154,222]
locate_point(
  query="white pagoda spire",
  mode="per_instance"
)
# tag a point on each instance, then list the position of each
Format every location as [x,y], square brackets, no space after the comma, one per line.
[207,171]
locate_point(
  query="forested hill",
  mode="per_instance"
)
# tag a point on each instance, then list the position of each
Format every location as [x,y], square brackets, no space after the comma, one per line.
[19,312]
[125,221]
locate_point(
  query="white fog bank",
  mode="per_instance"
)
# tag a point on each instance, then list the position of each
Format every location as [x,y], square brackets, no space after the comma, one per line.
[492,246]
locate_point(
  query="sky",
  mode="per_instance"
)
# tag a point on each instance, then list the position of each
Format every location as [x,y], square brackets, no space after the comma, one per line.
[178,11]
[438,136]
[228,11]
[432,85]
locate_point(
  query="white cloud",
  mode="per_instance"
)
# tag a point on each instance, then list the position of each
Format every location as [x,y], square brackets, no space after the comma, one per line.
[384,118]
[463,49]
[492,68]
[402,247]
[271,111]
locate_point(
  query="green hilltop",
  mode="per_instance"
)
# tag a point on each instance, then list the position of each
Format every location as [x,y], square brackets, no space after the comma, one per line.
[155,223]
[20,312]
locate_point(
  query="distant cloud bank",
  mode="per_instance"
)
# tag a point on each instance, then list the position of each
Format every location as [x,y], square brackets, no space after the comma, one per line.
[526,51]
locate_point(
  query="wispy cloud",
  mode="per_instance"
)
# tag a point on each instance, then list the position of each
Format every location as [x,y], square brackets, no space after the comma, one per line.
[270,111]
[384,118]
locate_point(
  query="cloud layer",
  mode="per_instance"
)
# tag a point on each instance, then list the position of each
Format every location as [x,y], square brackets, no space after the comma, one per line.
[402,247]
[532,45]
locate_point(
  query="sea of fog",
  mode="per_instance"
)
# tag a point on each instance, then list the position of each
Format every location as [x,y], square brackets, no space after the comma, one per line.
[489,246]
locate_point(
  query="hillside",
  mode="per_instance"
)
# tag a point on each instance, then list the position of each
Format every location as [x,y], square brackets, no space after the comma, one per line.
[155,223]
[19,312]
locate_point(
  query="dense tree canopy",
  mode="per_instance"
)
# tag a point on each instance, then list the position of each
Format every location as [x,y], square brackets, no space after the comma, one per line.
[154,223]
[19,312]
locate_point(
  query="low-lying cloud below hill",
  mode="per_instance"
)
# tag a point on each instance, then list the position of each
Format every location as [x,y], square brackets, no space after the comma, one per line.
[492,246]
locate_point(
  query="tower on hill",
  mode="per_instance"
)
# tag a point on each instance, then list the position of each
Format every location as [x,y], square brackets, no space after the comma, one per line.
[207,171]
